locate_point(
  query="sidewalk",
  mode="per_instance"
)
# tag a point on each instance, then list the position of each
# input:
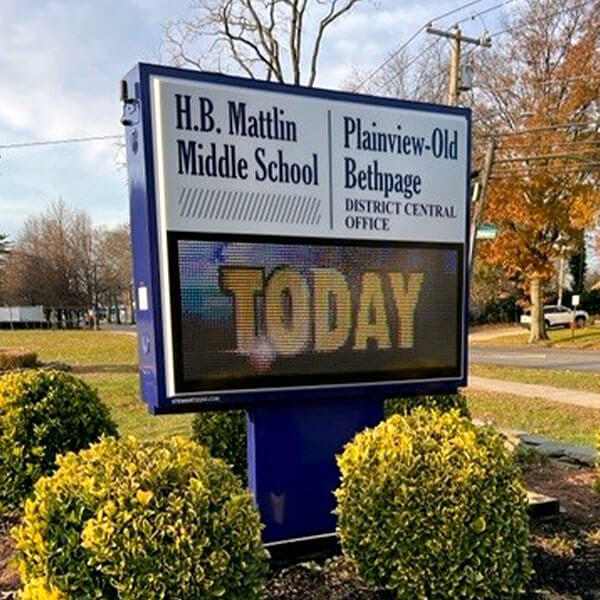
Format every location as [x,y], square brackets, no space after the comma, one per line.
[530,390]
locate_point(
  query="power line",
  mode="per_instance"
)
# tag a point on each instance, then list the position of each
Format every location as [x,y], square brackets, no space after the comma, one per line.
[63,141]
[485,11]
[411,39]
[408,64]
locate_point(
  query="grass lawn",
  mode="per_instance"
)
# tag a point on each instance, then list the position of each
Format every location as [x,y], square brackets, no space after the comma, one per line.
[573,380]
[108,362]
[571,424]
[585,338]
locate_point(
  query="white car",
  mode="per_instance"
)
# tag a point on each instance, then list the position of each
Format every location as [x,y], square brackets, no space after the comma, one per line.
[558,316]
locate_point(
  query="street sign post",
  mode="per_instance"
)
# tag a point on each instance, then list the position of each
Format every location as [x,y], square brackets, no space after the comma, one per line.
[299,253]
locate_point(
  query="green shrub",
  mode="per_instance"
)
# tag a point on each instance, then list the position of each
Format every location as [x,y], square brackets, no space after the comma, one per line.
[141,521]
[432,507]
[43,414]
[442,402]
[224,434]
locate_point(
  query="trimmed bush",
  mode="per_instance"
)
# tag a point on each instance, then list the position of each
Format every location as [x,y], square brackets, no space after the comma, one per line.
[431,506]
[16,358]
[442,402]
[224,434]
[43,414]
[141,521]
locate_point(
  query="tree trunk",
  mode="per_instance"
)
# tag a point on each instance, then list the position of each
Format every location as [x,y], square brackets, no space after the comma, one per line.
[117,308]
[131,307]
[538,326]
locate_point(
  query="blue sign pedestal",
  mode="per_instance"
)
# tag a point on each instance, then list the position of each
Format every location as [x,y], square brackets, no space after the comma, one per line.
[292,469]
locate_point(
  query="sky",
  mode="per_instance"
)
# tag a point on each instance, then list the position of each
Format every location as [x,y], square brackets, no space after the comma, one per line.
[62,61]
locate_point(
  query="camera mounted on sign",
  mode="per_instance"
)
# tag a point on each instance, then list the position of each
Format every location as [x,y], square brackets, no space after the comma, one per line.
[130,114]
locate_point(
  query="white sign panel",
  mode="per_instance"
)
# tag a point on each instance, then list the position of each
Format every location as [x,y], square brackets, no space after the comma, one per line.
[242,160]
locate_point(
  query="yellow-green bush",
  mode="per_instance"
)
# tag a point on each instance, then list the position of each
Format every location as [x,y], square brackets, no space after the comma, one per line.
[432,507]
[442,402]
[224,434]
[43,414]
[141,521]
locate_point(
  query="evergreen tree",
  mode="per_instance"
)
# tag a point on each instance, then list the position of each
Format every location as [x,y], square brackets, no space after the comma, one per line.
[578,269]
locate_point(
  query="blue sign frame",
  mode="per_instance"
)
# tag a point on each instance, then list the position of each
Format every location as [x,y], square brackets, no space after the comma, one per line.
[150,312]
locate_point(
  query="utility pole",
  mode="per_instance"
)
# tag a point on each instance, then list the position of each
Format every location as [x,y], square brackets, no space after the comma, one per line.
[480,203]
[455,85]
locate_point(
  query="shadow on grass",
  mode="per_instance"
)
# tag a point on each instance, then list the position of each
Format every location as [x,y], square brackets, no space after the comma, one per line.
[110,368]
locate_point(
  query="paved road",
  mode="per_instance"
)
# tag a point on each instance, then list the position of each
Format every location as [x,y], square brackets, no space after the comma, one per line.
[540,358]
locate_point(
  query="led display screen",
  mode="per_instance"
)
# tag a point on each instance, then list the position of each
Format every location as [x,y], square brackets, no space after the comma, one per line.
[264,313]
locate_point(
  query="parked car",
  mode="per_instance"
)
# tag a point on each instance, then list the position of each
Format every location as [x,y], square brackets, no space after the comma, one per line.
[558,316]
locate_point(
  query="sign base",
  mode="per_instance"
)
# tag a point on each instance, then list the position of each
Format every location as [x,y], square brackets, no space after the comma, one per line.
[292,470]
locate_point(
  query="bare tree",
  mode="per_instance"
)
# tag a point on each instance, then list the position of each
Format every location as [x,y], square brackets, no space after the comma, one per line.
[114,272]
[264,39]
[420,75]
[50,262]
[4,250]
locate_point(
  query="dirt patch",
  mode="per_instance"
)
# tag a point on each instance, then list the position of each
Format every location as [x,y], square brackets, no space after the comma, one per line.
[9,578]
[565,553]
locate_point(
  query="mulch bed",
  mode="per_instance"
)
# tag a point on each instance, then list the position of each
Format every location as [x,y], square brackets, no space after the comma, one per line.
[565,552]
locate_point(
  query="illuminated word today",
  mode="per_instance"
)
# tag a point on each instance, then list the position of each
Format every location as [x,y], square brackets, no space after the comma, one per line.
[293,309]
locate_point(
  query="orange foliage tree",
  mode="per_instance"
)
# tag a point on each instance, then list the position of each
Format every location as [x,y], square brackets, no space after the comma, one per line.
[543,80]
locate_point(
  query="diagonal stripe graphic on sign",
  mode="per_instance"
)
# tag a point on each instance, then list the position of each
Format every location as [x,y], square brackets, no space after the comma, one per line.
[293,207]
[258,206]
[266,204]
[238,205]
[272,209]
[191,202]
[254,207]
[199,203]
[311,206]
[181,199]
[304,211]
[297,203]
[317,212]
[232,205]
[216,204]
[288,208]
[313,212]
[208,204]
[249,201]
[224,205]
[286,203]
[184,203]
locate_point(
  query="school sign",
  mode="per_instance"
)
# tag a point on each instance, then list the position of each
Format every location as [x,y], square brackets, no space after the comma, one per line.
[291,241]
